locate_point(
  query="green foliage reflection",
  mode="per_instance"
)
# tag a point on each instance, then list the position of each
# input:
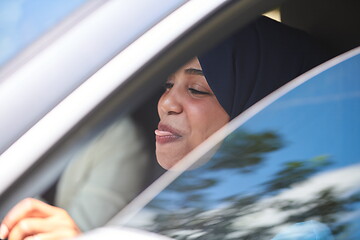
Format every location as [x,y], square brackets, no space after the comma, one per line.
[244,151]
[194,213]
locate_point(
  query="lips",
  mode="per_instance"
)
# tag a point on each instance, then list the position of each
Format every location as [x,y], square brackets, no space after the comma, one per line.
[166,134]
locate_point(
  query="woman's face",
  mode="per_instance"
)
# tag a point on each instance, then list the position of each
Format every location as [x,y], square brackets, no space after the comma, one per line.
[189,113]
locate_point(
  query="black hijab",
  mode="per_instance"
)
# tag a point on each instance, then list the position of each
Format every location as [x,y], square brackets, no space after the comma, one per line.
[257,60]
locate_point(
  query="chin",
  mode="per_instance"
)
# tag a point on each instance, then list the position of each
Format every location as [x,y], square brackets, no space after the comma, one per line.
[167,162]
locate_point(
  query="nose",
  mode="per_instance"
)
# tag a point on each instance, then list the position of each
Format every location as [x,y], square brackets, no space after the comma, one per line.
[170,103]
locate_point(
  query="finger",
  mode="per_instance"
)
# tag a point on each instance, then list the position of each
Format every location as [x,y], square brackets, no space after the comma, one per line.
[24,209]
[59,235]
[41,227]
[29,227]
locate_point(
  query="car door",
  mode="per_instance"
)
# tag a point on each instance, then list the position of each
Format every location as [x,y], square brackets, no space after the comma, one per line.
[74,119]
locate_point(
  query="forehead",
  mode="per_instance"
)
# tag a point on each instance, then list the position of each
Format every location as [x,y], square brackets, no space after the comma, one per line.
[193,63]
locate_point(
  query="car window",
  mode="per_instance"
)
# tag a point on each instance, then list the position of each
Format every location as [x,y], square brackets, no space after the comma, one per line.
[22,22]
[292,168]
[44,169]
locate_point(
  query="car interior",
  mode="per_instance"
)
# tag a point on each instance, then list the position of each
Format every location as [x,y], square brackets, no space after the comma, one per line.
[334,23]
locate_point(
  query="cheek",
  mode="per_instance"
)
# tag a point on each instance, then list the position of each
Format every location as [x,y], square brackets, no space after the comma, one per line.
[205,119]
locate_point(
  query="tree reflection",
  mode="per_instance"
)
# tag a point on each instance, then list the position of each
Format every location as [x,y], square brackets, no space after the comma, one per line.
[326,206]
[245,151]
[193,216]
[296,171]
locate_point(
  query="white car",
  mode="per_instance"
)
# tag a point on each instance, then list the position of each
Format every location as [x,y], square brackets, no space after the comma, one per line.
[285,166]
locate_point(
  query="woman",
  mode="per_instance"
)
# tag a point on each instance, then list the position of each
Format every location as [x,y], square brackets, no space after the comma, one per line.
[199,99]
[189,113]
[209,91]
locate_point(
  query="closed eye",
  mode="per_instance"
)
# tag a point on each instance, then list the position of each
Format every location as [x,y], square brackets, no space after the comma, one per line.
[168,85]
[197,92]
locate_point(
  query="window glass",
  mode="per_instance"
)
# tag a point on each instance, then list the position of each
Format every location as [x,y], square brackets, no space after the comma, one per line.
[291,170]
[23,21]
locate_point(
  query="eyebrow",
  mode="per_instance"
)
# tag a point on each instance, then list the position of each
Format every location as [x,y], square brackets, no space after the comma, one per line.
[194,71]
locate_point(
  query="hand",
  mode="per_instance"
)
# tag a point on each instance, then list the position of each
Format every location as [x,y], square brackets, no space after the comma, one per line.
[32,219]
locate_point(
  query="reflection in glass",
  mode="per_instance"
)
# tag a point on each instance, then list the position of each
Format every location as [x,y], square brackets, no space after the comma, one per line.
[295,161]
